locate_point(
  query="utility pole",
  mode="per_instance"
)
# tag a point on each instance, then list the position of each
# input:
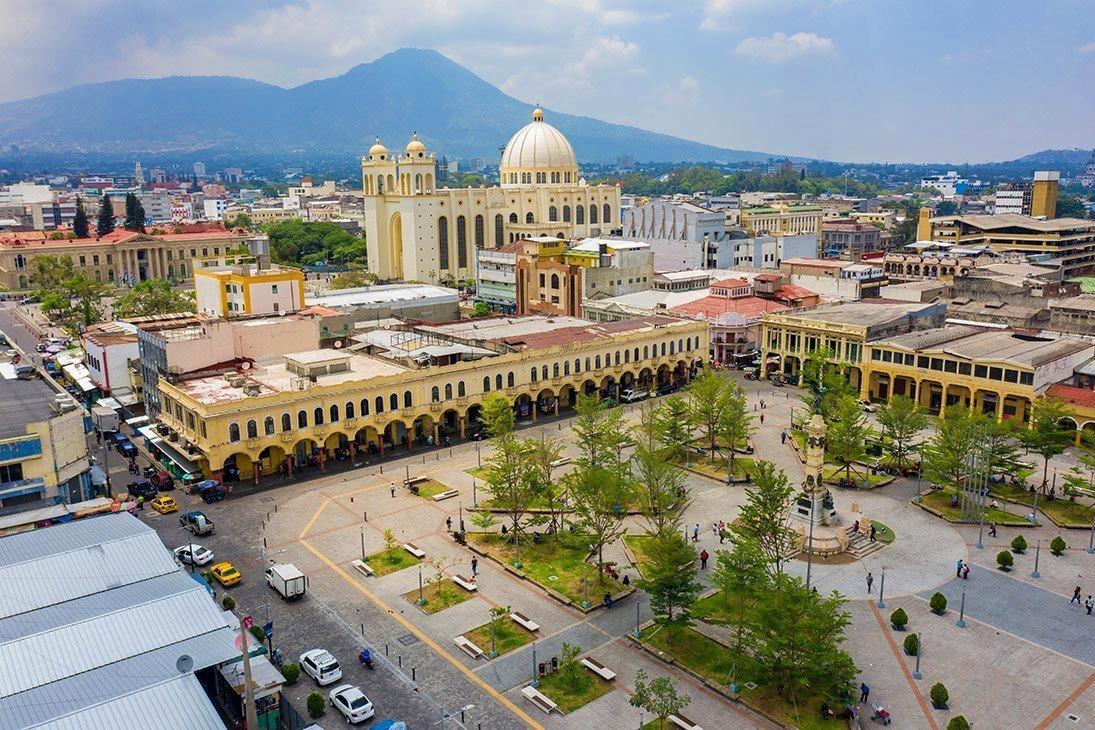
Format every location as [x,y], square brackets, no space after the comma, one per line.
[249,689]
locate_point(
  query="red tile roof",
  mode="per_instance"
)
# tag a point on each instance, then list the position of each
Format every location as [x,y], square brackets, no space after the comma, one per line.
[1083,397]
[792,291]
[195,232]
[730,283]
[584,333]
[711,307]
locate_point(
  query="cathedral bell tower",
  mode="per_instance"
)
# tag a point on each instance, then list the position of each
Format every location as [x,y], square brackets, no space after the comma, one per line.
[417,169]
[378,171]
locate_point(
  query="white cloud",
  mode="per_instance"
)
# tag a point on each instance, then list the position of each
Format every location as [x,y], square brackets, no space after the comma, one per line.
[780,47]
[606,51]
[689,85]
[721,14]
[1086,48]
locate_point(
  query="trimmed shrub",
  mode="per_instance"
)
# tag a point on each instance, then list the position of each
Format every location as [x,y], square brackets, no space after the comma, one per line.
[1004,560]
[958,722]
[228,603]
[938,603]
[912,644]
[291,672]
[259,634]
[939,695]
[1057,545]
[1019,544]
[899,618]
[316,705]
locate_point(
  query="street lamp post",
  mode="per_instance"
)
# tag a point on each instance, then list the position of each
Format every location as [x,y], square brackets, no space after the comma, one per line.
[919,651]
[809,548]
[1091,539]
[535,680]
[919,471]
[1037,554]
[961,622]
[882,588]
[478,457]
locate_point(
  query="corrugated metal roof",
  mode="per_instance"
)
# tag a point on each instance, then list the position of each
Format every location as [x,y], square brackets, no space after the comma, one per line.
[42,704]
[67,639]
[59,566]
[176,704]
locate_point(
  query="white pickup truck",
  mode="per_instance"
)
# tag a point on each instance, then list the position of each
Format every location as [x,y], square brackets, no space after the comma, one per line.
[286,579]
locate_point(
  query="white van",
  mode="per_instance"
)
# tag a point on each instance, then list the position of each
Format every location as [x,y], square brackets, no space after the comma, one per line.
[320,666]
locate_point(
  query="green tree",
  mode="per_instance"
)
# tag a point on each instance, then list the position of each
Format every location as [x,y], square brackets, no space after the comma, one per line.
[763,517]
[352,280]
[542,455]
[902,421]
[660,697]
[497,416]
[847,435]
[823,383]
[946,455]
[660,488]
[797,641]
[737,423]
[134,213]
[313,242]
[150,297]
[999,446]
[79,222]
[1071,206]
[708,397]
[316,706]
[671,425]
[1047,436]
[741,575]
[480,309]
[104,224]
[599,494]
[669,577]
[240,220]
[946,207]
[507,480]
[1081,477]
[600,432]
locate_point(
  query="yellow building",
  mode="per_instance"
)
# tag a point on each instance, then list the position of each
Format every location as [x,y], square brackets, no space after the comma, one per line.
[789,219]
[242,286]
[418,231]
[417,384]
[1068,240]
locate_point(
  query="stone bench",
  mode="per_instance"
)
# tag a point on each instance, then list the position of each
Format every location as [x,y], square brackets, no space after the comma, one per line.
[539,699]
[468,647]
[560,462]
[467,584]
[415,480]
[599,669]
[414,550]
[362,567]
[522,620]
[683,722]
[446,495]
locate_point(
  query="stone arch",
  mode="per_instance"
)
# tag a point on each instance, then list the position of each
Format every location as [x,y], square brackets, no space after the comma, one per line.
[237,466]
[424,427]
[528,217]
[395,244]
[271,459]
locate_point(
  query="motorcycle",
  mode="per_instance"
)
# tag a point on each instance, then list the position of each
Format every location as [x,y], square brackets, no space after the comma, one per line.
[366,659]
[277,658]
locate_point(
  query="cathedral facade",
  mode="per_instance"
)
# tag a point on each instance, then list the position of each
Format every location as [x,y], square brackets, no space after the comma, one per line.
[417,231]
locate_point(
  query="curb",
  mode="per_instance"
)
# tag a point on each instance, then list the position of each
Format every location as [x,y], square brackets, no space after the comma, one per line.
[928,509]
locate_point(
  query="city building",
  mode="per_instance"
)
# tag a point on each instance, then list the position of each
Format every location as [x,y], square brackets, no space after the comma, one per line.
[835,279]
[950,185]
[914,291]
[1068,242]
[314,405]
[43,450]
[345,311]
[674,220]
[1037,197]
[418,231]
[842,330]
[989,370]
[199,170]
[553,278]
[736,250]
[879,217]
[113,633]
[783,218]
[308,189]
[733,312]
[241,286]
[119,256]
[108,349]
[1087,177]
[213,209]
[496,277]
[1073,314]
[933,261]
[850,239]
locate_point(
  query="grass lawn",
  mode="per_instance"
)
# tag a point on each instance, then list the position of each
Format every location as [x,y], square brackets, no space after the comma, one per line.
[1063,512]
[831,474]
[479,472]
[431,488]
[719,608]
[557,562]
[439,595]
[807,715]
[507,636]
[389,561]
[640,546]
[940,501]
[716,468]
[570,693]
[882,533]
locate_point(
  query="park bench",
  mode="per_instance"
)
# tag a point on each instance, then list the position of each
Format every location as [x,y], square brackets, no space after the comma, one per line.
[467,584]
[468,647]
[599,669]
[446,495]
[522,620]
[560,462]
[539,699]
[414,550]
[683,722]
[410,481]
[362,567]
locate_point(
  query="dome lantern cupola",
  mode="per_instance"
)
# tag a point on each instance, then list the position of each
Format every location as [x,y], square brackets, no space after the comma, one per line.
[415,148]
[378,151]
[538,153]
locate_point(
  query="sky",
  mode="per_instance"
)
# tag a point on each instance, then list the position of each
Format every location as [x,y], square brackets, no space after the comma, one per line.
[850,80]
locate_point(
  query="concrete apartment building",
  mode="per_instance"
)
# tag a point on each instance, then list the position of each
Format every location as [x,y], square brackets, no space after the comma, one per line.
[844,238]
[793,219]
[241,286]
[496,277]
[674,221]
[835,279]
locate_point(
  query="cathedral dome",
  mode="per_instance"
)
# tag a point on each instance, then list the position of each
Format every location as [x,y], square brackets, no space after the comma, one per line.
[415,146]
[538,147]
[377,150]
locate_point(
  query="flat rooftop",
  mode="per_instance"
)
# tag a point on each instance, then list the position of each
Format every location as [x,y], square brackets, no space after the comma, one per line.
[1013,220]
[538,331]
[381,294]
[23,402]
[868,312]
[975,343]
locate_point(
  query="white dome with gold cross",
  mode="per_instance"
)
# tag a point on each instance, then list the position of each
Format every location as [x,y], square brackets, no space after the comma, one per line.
[538,154]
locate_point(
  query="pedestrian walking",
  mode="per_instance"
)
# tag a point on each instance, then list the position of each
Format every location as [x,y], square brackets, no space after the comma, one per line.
[1089,604]
[762,404]
[992,529]
[696,535]
[448,524]
[864,692]
[872,532]
[474,566]
[392,489]
[715,528]
[1075,596]
[703,560]
[762,418]
[870,582]
[783,437]
[966,571]
[958,569]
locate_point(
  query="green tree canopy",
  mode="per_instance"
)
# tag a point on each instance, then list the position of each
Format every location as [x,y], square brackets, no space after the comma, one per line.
[669,577]
[901,420]
[134,213]
[104,224]
[847,434]
[1048,436]
[80,224]
[313,242]
[763,517]
[151,297]
[946,455]
[660,697]
[352,280]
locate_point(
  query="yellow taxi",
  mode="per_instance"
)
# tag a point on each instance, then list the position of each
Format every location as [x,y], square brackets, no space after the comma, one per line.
[226,574]
[164,504]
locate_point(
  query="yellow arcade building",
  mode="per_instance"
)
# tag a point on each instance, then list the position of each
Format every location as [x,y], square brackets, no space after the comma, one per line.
[405,385]
[418,231]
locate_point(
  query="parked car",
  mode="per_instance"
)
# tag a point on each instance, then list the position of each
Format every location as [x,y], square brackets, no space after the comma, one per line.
[226,574]
[868,406]
[143,488]
[125,447]
[320,666]
[194,555]
[197,523]
[352,703]
[165,504]
[212,493]
[630,395]
[160,478]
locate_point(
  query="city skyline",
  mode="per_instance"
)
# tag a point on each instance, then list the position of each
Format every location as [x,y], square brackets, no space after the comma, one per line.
[891,84]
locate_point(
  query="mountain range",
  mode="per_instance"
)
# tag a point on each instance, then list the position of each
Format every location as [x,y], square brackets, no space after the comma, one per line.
[455,112]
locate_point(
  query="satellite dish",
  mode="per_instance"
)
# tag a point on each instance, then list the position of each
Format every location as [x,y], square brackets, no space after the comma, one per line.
[185,664]
[338,344]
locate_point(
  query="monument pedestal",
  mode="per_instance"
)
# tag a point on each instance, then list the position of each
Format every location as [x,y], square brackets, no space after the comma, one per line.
[816,507]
